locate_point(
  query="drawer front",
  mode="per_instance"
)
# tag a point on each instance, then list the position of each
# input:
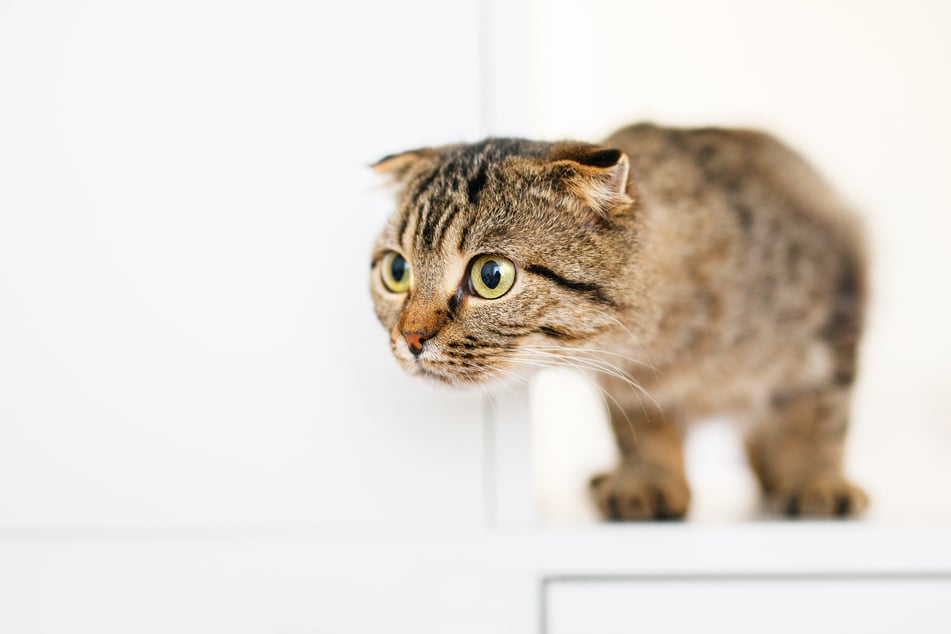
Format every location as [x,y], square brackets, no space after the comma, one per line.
[740,604]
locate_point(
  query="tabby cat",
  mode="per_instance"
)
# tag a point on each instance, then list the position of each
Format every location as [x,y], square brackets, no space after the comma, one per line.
[695,271]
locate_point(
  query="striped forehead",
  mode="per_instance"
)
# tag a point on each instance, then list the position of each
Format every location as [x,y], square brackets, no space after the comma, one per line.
[441,203]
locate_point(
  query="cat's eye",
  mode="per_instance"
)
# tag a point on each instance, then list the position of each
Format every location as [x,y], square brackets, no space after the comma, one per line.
[491,276]
[395,272]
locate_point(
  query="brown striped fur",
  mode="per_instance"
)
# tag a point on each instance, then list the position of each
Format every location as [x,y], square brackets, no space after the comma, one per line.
[696,271]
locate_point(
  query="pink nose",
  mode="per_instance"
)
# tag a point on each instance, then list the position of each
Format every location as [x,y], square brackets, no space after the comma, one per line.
[416,339]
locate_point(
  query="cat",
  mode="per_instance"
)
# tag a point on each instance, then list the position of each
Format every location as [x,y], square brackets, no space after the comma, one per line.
[696,271]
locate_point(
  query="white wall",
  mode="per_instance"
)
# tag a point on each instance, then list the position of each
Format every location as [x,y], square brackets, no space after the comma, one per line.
[862,88]
[185,209]
[186,216]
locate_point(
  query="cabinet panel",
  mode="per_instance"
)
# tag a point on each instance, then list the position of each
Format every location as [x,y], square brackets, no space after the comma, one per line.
[186,216]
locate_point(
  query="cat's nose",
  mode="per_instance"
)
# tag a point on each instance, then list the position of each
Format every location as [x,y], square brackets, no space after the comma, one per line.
[416,339]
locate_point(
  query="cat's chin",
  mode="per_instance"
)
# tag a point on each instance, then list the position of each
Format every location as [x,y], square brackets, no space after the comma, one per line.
[435,377]
[448,382]
[484,381]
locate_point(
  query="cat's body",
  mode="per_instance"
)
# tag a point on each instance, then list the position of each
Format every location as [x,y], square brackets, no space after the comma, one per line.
[712,272]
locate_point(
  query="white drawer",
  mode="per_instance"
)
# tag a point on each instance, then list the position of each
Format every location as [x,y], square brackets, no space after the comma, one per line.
[738,604]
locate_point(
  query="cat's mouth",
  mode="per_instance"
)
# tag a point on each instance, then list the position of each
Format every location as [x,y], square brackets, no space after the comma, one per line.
[459,371]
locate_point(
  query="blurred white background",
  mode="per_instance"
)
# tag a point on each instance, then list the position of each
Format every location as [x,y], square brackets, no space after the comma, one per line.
[201,427]
[187,214]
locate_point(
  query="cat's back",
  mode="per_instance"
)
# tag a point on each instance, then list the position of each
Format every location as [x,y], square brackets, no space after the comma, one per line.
[741,187]
[741,221]
[736,170]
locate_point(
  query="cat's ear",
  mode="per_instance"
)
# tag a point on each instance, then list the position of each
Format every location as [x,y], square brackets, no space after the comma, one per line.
[397,166]
[594,178]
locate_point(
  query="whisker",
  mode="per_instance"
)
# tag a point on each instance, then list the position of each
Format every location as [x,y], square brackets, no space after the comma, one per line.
[589,351]
[605,367]
[633,337]
[604,393]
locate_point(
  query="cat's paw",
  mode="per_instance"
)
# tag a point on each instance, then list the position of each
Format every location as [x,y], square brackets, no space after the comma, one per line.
[821,496]
[640,493]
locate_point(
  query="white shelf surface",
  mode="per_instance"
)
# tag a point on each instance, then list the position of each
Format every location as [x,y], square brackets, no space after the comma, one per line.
[319,580]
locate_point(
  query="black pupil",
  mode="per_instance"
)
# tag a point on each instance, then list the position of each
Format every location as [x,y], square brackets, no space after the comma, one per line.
[398,268]
[491,274]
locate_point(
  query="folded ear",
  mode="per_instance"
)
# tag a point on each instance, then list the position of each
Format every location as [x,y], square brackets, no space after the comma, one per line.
[594,178]
[397,166]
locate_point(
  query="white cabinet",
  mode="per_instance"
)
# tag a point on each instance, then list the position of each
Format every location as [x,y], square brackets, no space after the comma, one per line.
[788,577]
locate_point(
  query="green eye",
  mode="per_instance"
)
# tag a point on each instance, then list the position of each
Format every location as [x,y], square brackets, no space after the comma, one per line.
[491,276]
[395,272]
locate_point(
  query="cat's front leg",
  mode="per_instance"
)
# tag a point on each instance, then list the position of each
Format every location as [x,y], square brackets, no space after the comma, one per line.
[650,483]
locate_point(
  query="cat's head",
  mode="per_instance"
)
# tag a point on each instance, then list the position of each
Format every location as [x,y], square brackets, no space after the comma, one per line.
[501,255]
